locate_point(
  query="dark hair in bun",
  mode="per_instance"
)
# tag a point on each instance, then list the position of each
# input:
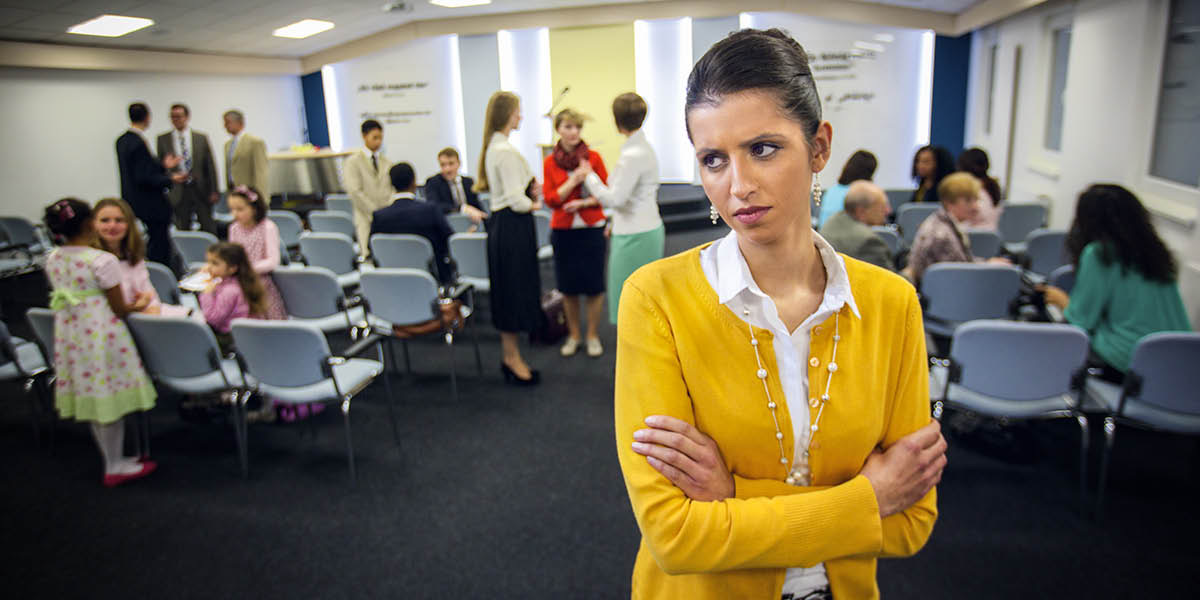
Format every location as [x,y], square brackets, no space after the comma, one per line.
[67,218]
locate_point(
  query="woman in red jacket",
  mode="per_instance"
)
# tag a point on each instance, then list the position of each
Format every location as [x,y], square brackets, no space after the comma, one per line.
[576,229]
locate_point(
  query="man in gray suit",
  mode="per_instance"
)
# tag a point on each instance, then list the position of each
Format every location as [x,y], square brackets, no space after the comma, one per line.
[197,194]
[849,231]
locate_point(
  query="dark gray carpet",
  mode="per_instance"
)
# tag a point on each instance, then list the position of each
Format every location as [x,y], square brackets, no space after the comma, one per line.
[515,493]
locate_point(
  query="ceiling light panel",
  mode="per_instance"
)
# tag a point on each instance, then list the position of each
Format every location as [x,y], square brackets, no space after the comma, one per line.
[459,3]
[110,26]
[302,29]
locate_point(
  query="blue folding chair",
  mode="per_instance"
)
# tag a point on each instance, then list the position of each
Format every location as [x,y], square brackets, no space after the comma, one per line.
[1159,393]
[290,227]
[340,203]
[1063,278]
[1046,250]
[909,218]
[23,361]
[313,295]
[1017,221]
[193,246]
[959,292]
[402,251]
[470,252]
[541,221]
[889,236]
[984,243]
[334,251]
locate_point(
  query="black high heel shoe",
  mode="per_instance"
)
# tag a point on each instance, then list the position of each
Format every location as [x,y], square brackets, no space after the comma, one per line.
[511,378]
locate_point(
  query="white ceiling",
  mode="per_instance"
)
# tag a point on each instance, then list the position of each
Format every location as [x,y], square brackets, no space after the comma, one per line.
[244,26]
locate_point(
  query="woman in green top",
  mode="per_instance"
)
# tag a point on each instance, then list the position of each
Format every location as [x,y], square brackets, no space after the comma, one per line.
[1125,278]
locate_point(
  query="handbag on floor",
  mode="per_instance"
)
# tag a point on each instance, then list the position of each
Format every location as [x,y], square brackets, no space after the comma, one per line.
[554,320]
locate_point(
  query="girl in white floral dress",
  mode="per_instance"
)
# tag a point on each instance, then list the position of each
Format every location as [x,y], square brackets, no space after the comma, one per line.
[100,378]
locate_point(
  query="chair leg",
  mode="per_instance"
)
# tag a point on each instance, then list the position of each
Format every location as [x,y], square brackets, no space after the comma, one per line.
[1110,436]
[239,429]
[391,352]
[475,340]
[35,409]
[407,362]
[453,370]
[349,443]
[387,386]
[1083,456]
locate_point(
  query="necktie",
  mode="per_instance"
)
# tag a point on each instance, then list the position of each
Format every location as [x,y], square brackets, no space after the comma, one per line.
[187,156]
[456,188]
[375,162]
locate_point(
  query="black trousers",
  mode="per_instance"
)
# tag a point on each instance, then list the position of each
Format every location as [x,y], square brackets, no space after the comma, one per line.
[158,246]
[191,202]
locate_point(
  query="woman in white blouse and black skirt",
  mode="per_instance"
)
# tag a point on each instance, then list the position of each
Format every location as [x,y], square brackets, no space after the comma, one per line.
[512,235]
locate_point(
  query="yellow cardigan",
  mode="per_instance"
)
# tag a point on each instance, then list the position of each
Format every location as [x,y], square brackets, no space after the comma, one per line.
[681,353]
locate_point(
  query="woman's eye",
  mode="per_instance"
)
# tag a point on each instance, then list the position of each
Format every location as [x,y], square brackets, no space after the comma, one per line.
[712,162]
[763,150]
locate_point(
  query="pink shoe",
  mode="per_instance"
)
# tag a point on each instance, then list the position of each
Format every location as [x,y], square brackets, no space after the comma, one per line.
[148,467]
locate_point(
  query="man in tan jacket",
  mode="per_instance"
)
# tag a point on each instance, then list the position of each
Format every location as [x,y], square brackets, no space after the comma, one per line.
[245,157]
[365,175]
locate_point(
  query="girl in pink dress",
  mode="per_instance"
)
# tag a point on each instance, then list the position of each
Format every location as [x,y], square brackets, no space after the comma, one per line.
[113,217]
[260,237]
[234,292]
[99,375]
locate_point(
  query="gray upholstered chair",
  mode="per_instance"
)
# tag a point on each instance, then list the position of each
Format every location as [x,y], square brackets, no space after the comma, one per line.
[334,251]
[984,243]
[958,292]
[1017,221]
[23,361]
[909,218]
[313,295]
[291,363]
[401,251]
[470,252]
[1046,249]
[192,246]
[340,203]
[290,227]
[889,237]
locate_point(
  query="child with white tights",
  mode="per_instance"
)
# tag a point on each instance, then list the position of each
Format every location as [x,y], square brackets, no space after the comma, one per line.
[100,377]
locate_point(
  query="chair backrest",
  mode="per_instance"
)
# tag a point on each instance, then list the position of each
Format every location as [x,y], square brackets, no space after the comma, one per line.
[984,243]
[1046,249]
[1062,278]
[20,231]
[889,236]
[1166,362]
[308,292]
[192,245]
[340,203]
[175,346]
[541,221]
[1018,220]
[289,225]
[334,251]
[909,218]
[400,296]
[898,197]
[401,251]
[968,291]
[41,321]
[461,223]
[164,282]
[470,252]
[1018,360]
[282,353]
[331,221]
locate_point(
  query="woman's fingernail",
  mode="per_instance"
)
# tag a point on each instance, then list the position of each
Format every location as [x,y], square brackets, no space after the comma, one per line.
[651,421]
[639,447]
[640,434]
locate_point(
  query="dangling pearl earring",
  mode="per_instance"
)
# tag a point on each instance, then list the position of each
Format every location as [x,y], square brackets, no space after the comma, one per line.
[816,190]
[713,215]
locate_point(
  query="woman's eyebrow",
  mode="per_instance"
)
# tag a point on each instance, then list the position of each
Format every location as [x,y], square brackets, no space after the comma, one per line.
[762,137]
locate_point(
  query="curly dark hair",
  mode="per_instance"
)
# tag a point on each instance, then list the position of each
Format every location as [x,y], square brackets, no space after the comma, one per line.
[1113,216]
[67,218]
[941,156]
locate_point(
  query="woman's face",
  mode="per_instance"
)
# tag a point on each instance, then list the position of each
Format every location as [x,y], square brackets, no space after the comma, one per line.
[241,210]
[570,133]
[963,208]
[514,120]
[756,166]
[111,226]
[926,164]
[218,267]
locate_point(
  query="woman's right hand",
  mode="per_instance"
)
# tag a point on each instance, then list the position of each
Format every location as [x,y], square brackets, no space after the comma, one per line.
[903,473]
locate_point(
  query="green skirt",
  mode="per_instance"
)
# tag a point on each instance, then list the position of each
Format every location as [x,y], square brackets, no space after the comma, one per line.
[626,254]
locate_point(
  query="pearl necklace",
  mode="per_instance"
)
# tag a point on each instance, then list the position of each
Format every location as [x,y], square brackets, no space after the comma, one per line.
[798,474]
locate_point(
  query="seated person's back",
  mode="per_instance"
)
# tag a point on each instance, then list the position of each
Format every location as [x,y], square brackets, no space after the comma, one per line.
[407,215]
[849,231]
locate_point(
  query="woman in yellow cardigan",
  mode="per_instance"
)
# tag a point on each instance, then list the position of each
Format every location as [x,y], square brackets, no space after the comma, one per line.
[772,410]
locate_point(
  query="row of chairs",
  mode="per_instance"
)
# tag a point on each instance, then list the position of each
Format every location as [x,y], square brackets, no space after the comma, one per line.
[955,293]
[1045,248]
[1025,371]
[1016,222]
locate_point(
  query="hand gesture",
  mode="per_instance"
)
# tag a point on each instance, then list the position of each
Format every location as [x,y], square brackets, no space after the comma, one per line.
[171,161]
[475,214]
[573,206]
[582,171]
[905,472]
[141,301]
[179,176]
[686,456]
[1055,296]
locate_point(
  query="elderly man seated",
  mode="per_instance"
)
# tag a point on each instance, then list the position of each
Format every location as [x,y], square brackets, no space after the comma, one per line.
[849,231]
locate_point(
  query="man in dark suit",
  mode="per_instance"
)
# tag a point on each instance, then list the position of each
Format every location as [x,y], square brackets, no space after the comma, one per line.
[197,194]
[144,182]
[452,192]
[849,231]
[407,215]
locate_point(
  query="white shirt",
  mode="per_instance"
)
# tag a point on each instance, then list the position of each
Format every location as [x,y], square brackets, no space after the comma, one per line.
[729,275]
[632,190]
[508,175]
[177,136]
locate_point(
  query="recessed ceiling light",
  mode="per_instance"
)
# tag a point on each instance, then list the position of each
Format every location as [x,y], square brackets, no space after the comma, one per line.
[110,26]
[459,3]
[303,29]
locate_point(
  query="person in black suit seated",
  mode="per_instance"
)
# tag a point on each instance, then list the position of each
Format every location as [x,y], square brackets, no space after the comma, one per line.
[451,191]
[144,182]
[407,215]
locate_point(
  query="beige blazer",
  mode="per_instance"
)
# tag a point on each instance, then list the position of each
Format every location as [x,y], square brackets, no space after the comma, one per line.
[249,164]
[369,190]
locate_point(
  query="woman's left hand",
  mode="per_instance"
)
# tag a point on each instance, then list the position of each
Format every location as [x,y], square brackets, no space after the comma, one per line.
[1055,296]
[686,456]
[573,206]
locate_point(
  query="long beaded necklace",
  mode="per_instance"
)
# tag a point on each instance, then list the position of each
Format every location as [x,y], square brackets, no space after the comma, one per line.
[799,474]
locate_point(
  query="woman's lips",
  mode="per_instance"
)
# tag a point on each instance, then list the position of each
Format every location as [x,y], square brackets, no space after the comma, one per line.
[750,214]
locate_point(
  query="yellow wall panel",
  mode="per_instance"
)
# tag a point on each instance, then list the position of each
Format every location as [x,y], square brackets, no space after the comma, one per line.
[597,64]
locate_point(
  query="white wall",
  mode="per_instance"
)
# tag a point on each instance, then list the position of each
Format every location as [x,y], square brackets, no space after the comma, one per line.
[412,89]
[1111,99]
[61,125]
[480,60]
[662,62]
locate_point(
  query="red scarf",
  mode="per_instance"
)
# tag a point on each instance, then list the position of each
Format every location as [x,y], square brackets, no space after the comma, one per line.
[569,161]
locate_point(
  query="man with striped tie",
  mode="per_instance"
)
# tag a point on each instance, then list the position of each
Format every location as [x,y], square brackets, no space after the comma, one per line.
[197,193]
